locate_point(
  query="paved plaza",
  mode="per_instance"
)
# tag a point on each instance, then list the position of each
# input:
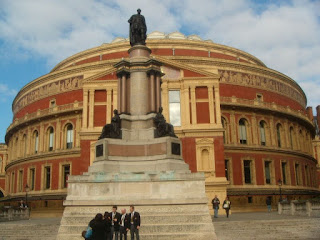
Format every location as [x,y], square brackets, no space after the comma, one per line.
[263,225]
[256,225]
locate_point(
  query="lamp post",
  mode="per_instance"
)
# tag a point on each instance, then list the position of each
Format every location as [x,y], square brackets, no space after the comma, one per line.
[280,184]
[27,190]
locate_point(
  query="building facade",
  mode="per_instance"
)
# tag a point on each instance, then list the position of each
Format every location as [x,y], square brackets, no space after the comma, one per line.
[244,125]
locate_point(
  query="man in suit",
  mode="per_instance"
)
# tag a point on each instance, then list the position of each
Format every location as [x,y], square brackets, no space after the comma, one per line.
[134,223]
[124,224]
[115,226]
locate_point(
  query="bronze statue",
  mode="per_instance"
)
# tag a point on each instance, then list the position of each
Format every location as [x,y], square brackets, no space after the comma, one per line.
[112,130]
[163,129]
[138,29]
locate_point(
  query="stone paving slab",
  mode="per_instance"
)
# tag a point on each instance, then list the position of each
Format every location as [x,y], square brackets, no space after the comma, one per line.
[246,226]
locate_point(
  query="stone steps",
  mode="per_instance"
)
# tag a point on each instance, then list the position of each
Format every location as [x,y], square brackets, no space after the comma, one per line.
[155,219]
[22,230]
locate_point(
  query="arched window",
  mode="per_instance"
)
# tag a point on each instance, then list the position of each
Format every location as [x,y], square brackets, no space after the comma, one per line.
[69,136]
[24,145]
[301,140]
[51,138]
[225,133]
[243,131]
[291,137]
[262,126]
[279,128]
[36,141]
[16,148]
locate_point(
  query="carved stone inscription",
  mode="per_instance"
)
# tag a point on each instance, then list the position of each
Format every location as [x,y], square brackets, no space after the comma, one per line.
[60,86]
[261,82]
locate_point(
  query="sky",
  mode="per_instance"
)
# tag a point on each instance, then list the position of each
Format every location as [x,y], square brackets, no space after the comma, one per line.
[35,35]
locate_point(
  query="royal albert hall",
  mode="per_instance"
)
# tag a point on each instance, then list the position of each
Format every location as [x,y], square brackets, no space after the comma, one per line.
[246,126]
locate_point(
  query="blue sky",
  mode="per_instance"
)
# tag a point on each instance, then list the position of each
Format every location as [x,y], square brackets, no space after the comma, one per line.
[35,35]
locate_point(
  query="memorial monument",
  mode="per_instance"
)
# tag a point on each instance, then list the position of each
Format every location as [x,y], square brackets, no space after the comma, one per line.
[138,160]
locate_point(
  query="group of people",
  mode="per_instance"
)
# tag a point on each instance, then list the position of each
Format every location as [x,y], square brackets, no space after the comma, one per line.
[114,224]
[216,204]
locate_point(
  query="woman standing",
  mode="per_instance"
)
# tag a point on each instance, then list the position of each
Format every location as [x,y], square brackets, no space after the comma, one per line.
[226,205]
[99,228]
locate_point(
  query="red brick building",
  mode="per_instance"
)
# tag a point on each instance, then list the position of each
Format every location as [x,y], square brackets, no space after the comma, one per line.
[244,125]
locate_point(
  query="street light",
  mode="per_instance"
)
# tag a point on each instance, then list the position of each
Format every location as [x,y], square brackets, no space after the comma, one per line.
[27,190]
[280,184]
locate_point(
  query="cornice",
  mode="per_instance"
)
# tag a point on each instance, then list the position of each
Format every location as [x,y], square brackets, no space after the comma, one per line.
[74,152]
[267,150]
[124,46]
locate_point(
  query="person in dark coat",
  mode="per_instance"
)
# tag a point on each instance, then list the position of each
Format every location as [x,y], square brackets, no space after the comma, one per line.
[268,202]
[227,205]
[115,226]
[134,223]
[215,205]
[107,220]
[124,224]
[98,228]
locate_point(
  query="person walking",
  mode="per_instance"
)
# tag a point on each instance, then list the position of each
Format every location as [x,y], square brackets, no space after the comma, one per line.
[227,205]
[134,223]
[268,202]
[115,227]
[215,205]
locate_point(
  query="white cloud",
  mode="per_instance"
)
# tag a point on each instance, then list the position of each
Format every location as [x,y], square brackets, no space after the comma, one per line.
[285,35]
[6,92]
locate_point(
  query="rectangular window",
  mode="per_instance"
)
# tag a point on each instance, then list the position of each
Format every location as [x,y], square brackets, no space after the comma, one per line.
[174,107]
[247,171]
[47,171]
[297,168]
[227,169]
[32,179]
[66,173]
[267,174]
[20,184]
[284,172]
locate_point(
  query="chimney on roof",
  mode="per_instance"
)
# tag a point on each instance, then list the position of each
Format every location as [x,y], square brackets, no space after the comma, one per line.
[309,113]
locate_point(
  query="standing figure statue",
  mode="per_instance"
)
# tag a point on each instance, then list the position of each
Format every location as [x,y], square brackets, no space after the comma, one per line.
[138,29]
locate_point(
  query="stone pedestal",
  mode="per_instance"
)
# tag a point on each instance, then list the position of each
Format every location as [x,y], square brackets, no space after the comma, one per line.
[139,169]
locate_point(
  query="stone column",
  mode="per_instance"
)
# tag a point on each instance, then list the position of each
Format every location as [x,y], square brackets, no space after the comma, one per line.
[233,127]
[152,93]
[109,106]
[193,105]
[119,95]
[217,101]
[91,108]
[85,109]
[211,104]
[115,98]
[185,106]
[255,138]
[77,135]
[58,133]
[123,93]
[158,92]
[272,133]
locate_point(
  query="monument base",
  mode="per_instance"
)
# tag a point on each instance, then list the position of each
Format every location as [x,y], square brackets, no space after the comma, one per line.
[172,205]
